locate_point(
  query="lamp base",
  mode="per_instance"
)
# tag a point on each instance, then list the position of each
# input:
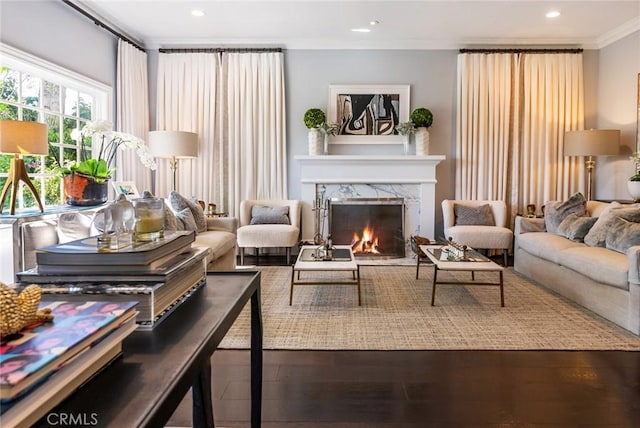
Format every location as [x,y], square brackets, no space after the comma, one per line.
[17,173]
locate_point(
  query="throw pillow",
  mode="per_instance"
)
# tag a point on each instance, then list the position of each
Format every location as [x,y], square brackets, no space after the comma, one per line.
[261,214]
[170,220]
[72,226]
[179,203]
[576,228]
[477,216]
[185,220]
[597,236]
[556,211]
[622,235]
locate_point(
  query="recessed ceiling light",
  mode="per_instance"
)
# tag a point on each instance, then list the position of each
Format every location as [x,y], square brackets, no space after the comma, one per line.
[552,14]
[374,22]
[197,12]
[361,30]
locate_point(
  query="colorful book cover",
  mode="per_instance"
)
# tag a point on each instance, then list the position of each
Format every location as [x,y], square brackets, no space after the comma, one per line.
[39,350]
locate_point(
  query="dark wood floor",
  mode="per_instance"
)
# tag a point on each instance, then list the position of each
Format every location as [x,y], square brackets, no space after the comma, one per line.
[384,389]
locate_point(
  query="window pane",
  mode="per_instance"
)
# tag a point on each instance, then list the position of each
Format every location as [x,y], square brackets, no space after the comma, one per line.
[70,155]
[51,96]
[27,197]
[31,90]
[70,102]
[5,160]
[8,111]
[53,122]
[5,206]
[86,106]
[29,115]
[69,125]
[52,191]
[32,163]
[87,140]
[9,80]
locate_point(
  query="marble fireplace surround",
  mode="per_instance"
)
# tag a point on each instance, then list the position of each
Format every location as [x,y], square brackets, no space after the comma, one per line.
[338,176]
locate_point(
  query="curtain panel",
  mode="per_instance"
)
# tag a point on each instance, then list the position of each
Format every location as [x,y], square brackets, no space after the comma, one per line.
[235,102]
[513,110]
[132,111]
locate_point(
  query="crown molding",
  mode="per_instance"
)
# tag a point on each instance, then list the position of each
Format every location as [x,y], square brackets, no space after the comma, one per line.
[616,34]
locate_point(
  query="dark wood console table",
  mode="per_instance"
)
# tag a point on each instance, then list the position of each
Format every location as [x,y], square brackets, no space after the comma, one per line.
[145,385]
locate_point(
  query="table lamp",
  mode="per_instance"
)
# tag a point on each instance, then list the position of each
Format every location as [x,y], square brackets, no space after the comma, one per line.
[592,142]
[21,138]
[173,145]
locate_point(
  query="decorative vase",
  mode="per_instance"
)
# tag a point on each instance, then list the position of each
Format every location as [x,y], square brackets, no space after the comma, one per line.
[422,141]
[84,190]
[315,142]
[325,147]
[406,143]
[634,189]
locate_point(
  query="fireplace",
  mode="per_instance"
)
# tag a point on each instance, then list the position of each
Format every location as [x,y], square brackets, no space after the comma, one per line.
[374,227]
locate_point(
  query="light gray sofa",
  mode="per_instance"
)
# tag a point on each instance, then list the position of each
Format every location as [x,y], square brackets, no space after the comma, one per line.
[602,280]
[220,237]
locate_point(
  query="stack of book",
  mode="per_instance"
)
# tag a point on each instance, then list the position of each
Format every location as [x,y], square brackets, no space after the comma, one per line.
[159,275]
[44,363]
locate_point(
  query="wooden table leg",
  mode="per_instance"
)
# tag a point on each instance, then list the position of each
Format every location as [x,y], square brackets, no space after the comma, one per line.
[256,360]
[202,410]
[358,280]
[433,290]
[293,275]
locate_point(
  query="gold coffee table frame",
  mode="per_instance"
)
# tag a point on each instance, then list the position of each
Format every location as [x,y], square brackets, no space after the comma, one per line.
[471,266]
[325,266]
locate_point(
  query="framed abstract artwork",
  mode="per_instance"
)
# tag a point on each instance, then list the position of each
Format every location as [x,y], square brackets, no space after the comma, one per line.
[127,188]
[367,114]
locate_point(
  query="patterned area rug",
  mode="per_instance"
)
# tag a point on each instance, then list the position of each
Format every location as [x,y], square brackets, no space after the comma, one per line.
[396,315]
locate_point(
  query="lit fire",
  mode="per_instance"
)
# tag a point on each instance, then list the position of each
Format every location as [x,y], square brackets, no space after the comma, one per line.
[367,244]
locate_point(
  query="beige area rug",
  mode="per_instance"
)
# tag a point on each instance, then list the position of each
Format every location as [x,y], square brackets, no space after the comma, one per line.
[396,315]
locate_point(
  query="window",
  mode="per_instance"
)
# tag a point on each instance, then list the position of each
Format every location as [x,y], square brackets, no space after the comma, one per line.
[35,90]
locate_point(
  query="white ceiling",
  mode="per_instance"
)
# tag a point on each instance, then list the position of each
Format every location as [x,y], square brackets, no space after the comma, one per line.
[324,24]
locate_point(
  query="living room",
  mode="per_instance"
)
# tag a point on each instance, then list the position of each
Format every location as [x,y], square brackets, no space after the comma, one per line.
[57,33]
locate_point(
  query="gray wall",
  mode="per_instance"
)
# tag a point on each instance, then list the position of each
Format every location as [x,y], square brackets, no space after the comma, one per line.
[617,108]
[55,32]
[431,75]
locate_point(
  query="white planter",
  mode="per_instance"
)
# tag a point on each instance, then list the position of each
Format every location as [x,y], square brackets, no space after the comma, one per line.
[634,189]
[315,142]
[422,141]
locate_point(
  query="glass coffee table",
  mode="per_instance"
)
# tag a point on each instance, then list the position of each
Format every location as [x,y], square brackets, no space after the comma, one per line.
[312,258]
[444,260]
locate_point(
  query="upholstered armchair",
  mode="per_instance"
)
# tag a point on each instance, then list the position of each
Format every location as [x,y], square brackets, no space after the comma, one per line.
[269,224]
[478,224]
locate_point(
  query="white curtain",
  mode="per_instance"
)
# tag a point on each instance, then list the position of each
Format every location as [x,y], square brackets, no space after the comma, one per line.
[235,102]
[187,101]
[132,111]
[513,112]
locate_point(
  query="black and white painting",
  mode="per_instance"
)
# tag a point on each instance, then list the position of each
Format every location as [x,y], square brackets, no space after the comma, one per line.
[368,114]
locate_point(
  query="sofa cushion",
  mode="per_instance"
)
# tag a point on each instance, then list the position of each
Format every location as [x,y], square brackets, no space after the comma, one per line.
[547,246]
[599,264]
[575,228]
[179,203]
[73,226]
[268,235]
[481,236]
[480,216]
[219,242]
[597,236]
[261,214]
[556,211]
[622,235]
[185,220]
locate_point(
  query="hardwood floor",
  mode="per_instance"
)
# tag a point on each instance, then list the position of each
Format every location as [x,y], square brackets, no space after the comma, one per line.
[384,389]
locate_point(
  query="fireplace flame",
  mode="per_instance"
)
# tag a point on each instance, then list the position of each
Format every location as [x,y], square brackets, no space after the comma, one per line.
[367,244]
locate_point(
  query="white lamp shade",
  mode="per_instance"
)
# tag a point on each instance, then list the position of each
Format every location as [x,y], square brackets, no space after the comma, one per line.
[28,138]
[592,142]
[169,144]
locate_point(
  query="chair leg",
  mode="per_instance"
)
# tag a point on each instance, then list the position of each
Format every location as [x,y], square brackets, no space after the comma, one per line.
[288,251]
[241,256]
[505,254]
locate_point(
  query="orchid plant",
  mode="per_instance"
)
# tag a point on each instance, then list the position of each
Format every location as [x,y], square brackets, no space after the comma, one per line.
[110,142]
[406,128]
[329,128]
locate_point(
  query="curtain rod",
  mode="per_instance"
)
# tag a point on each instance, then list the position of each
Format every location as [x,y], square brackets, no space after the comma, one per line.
[217,50]
[103,25]
[533,50]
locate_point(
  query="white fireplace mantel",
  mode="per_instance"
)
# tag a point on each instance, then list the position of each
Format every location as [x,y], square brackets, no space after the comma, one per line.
[369,169]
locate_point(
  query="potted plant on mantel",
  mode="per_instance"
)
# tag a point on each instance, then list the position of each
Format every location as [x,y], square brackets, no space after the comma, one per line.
[406,129]
[633,184]
[313,119]
[86,181]
[422,119]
